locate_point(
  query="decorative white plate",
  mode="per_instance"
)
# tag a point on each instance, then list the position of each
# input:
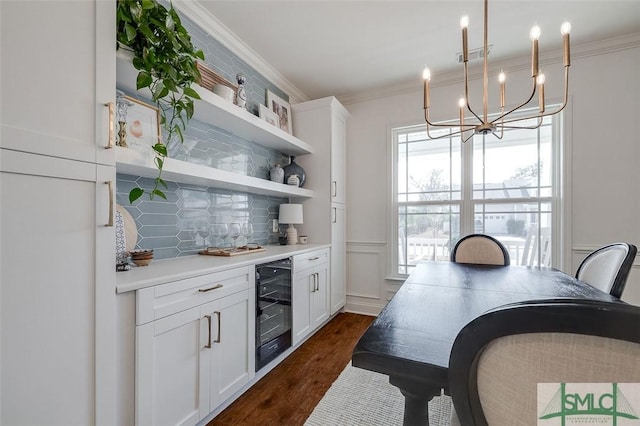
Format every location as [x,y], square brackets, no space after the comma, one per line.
[129,229]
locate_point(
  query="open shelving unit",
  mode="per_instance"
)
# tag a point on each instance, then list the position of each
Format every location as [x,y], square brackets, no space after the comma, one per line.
[140,163]
[214,110]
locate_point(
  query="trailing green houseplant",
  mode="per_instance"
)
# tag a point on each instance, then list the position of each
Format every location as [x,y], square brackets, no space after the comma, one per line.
[166,62]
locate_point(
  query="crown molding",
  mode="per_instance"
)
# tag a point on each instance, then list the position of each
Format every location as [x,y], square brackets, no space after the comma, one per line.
[214,27]
[585,50]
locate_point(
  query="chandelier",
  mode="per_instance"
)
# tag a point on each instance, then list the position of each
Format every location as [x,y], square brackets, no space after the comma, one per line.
[481,124]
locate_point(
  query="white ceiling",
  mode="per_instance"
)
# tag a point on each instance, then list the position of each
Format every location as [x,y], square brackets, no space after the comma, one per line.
[344,48]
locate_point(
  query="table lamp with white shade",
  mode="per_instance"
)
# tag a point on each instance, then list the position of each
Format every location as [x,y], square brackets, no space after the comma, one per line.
[291,214]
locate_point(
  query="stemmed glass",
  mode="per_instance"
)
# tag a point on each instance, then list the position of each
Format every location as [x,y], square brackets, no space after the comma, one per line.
[203,229]
[247,232]
[234,233]
[220,232]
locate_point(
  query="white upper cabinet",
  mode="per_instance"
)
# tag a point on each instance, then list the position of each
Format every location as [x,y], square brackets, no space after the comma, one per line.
[323,123]
[55,84]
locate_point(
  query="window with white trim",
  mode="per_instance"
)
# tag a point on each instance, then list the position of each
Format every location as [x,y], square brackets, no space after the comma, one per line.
[507,188]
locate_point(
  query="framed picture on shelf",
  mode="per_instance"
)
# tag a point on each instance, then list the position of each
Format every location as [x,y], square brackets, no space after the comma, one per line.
[282,110]
[143,125]
[269,116]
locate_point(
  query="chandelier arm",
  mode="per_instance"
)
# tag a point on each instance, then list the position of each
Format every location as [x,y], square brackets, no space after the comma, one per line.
[496,135]
[565,96]
[451,126]
[528,117]
[527,127]
[533,92]
[446,135]
[465,140]
[501,127]
[564,101]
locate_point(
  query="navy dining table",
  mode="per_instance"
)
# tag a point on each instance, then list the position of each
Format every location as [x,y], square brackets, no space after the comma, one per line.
[410,341]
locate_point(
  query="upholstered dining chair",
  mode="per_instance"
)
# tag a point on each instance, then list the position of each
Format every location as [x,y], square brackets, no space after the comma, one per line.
[513,365]
[480,249]
[608,267]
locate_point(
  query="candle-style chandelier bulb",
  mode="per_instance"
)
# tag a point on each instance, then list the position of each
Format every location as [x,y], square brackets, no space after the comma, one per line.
[480,123]
[535,32]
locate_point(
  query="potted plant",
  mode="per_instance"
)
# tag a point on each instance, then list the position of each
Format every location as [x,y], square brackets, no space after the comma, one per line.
[166,62]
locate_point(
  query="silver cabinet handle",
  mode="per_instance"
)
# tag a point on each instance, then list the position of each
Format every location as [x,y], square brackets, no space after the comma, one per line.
[208,345]
[335,215]
[112,114]
[219,323]
[313,283]
[314,258]
[317,281]
[110,221]
[204,290]
[334,191]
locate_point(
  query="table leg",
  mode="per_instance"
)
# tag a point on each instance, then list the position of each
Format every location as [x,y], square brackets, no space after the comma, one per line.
[416,400]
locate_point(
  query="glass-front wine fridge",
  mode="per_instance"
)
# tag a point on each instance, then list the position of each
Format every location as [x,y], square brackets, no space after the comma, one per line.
[273,310]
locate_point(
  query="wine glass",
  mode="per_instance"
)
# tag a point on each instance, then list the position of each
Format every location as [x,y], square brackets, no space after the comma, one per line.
[247,232]
[203,229]
[234,233]
[220,232]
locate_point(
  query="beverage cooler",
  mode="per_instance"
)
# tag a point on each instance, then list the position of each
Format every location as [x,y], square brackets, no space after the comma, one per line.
[273,310]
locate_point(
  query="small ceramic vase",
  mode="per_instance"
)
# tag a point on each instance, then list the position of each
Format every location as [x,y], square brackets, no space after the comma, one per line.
[293,180]
[276,174]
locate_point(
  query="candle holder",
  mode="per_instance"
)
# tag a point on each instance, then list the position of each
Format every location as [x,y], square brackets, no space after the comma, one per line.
[241,99]
[122,104]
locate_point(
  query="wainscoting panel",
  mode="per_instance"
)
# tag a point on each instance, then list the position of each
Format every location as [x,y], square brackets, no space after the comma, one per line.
[631,293]
[366,269]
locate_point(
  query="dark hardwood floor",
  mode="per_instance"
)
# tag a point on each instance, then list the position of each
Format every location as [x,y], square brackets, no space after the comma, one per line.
[289,393]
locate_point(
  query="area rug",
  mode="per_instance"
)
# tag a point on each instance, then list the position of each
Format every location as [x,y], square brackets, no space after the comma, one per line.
[362,397]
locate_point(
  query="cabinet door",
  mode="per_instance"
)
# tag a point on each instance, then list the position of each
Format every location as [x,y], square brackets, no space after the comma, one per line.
[338,157]
[337,283]
[320,296]
[231,363]
[47,282]
[303,285]
[169,385]
[58,110]
[57,253]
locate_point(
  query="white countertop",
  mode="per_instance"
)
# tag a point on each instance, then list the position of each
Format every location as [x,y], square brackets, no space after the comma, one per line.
[168,270]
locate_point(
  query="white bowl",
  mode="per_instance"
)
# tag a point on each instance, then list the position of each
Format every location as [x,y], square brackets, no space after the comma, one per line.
[223,91]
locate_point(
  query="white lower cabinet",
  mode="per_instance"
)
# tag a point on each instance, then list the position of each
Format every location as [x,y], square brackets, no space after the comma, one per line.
[227,363]
[189,362]
[168,379]
[310,292]
[338,296]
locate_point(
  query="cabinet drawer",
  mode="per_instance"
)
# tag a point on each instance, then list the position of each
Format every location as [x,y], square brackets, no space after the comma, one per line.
[309,260]
[166,299]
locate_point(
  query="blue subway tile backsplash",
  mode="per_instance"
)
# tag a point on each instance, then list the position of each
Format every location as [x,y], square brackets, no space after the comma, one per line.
[169,226]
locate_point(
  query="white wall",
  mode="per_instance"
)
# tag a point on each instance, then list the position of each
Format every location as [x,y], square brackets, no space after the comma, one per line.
[602,137]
